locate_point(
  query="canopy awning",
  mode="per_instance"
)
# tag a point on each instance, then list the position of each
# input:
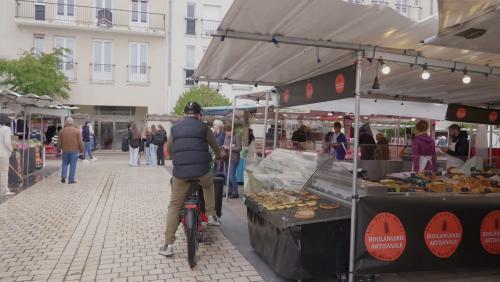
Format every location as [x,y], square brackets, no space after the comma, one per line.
[225,110]
[279,42]
[33,104]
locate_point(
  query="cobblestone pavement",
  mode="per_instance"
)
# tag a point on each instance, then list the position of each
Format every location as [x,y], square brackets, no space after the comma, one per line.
[107,227]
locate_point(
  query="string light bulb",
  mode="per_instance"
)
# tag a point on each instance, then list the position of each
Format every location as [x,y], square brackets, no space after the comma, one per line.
[386,69]
[425,73]
[466,79]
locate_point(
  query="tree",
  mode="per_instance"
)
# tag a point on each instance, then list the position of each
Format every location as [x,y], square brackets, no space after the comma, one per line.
[202,95]
[35,74]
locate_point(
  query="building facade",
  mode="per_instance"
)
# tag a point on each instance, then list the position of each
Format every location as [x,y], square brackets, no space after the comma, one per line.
[416,10]
[114,58]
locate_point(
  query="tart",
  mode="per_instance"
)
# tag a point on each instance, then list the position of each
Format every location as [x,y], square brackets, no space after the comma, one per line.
[313,197]
[300,204]
[311,203]
[329,206]
[280,207]
[304,214]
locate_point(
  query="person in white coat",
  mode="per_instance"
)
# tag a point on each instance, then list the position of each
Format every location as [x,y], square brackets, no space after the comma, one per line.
[5,152]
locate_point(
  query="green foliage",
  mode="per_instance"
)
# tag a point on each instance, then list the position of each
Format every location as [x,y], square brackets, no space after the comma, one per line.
[202,95]
[35,74]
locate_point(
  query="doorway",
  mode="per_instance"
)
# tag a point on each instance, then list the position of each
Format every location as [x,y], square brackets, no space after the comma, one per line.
[110,134]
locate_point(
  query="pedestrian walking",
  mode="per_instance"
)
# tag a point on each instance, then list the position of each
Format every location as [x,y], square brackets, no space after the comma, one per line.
[159,140]
[153,148]
[5,152]
[70,142]
[220,136]
[134,144]
[87,137]
[235,160]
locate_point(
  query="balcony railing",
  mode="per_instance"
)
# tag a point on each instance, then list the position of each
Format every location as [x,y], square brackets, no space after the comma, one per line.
[209,27]
[102,72]
[68,69]
[138,74]
[89,16]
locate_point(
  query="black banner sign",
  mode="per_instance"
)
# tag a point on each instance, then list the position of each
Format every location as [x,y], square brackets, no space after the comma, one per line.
[461,113]
[330,86]
[397,234]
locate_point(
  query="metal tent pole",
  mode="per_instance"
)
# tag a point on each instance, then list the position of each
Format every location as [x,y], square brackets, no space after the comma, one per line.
[490,147]
[354,196]
[42,141]
[265,125]
[276,109]
[230,149]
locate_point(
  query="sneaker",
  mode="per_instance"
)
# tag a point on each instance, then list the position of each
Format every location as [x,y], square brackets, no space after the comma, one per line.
[72,182]
[93,159]
[167,250]
[86,161]
[212,221]
[63,180]
[10,193]
[234,196]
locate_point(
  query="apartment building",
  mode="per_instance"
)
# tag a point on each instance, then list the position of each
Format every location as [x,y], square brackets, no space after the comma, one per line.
[414,9]
[192,23]
[115,59]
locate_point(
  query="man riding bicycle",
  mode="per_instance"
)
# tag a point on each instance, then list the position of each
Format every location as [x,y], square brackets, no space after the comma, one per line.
[188,145]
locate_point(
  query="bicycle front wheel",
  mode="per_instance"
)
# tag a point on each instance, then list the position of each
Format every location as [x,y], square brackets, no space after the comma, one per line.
[192,236]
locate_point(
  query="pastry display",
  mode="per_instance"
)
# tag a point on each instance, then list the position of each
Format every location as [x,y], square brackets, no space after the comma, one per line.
[304,214]
[329,206]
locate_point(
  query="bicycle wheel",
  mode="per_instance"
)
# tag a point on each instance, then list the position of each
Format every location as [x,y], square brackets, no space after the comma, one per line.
[192,236]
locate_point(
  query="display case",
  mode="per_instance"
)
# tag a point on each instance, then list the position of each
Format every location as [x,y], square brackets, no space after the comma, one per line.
[299,213]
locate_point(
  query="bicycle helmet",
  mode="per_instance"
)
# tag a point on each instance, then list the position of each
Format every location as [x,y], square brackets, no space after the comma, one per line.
[192,108]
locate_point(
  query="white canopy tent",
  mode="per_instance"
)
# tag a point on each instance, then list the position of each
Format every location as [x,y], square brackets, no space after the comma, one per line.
[282,41]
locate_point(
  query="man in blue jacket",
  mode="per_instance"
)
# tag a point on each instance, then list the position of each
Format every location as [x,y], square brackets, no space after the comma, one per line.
[336,141]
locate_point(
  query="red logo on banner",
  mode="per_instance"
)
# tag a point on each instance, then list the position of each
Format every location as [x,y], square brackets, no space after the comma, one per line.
[490,232]
[493,116]
[385,237]
[309,90]
[443,234]
[461,112]
[340,83]
[286,95]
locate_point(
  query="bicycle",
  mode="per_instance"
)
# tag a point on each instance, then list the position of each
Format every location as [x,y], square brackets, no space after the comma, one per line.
[192,218]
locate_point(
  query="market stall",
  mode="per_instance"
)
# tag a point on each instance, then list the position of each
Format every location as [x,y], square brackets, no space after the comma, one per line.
[294,48]
[28,152]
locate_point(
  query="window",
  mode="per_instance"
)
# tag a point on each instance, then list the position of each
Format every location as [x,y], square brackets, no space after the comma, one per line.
[38,44]
[104,15]
[40,10]
[402,6]
[67,64]
[102,69]
[432,7]
[211,19]
[189,65]
[190,19]
[139,12]
[418,9]
[138,69]
[65,9]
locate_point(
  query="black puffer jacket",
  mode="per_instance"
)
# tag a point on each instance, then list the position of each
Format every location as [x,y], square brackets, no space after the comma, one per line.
[461,146]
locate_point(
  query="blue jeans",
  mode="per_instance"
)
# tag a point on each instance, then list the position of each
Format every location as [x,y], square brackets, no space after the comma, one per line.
[153,158]
[69,159]
[233,183]
[88,150]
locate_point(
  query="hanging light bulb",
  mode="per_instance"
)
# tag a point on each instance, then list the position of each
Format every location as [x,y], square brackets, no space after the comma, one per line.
[425,73]
[384,67]
[466,79]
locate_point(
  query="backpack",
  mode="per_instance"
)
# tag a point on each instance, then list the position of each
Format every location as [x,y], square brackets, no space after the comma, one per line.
[159,137]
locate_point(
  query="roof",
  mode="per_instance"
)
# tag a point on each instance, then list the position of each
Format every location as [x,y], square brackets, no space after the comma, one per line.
[32,100]
[243,50]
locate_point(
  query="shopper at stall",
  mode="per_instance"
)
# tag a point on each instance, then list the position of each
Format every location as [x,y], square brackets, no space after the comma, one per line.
[153,154]
[134,138]
[51,132]
[70,142]
[251,137]
[460,143]
[5,153]
[366,142]
[159,140]
[235,159]
[337,142]
[423,149]
[189,143]
[382,148]
[220,136]
[300,135]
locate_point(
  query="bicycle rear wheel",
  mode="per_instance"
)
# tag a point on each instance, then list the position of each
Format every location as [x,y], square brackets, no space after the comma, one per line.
[192,236]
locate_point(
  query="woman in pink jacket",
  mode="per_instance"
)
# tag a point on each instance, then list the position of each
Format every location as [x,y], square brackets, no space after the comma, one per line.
[423,149]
